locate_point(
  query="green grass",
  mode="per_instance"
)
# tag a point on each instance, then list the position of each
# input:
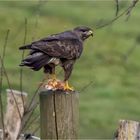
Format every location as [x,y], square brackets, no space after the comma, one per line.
[114,94]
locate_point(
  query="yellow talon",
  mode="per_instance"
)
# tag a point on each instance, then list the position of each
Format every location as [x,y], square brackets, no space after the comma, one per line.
[67,87]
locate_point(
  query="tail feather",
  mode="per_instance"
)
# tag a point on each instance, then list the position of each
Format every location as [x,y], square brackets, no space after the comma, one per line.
[36,61]
[25,47]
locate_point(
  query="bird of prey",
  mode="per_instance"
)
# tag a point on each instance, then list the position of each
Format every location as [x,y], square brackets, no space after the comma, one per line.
[58,49]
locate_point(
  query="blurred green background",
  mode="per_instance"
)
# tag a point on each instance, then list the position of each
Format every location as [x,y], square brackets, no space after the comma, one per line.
[109,86]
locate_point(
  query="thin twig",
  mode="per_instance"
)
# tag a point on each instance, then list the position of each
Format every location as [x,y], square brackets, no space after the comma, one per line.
[86,86]
[129,52]
[34,95]
[133,4]
[113,20]
[40,3]
[117,7]
[30,109]
[4,71]
[117,17]
[5,44]
[33,107]
[138,39]
[35,28]
[31,113]
[36,130]
[21,70]
[1,103]
[32,121]
[1,82]
[2,117]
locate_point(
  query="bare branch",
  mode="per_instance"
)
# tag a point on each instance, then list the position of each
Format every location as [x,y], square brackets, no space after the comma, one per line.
[1,81]
[40,3]
[28,118]
[36,130]
[1,103]
[138,39]
[5,44]
[4,71]
[28,108]
[113,20]
[120,15]
[32,107]
[117,7]
[32,121]
[131,50]
[21,69]
[86,86]
[25,33]
[133,4]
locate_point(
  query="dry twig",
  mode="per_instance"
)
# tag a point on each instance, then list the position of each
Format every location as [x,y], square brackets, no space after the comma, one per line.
[125,12]
[21,69]
[1,81]
[132,5]
[9,85]
[117,7]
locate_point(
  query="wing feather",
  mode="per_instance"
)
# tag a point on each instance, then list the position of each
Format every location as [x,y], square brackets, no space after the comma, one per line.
[65,45]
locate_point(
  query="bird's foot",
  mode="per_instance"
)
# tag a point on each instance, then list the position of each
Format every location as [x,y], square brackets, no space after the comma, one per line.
[67,87]
[55,84]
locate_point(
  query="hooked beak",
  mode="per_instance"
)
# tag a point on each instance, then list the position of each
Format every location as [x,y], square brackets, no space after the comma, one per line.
[90,33]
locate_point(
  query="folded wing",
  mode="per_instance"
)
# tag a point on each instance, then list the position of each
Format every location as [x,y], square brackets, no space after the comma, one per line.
[65,45]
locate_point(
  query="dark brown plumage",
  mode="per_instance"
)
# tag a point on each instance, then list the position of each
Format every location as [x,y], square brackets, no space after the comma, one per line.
[59,49]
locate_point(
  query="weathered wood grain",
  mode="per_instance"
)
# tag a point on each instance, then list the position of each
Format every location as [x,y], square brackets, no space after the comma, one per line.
[59,114]
[128,130]
[14,113]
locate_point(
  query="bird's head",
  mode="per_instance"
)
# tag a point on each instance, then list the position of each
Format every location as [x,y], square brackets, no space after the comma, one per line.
[83,32]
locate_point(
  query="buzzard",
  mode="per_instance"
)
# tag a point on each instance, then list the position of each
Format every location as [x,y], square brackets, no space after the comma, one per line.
[58,49]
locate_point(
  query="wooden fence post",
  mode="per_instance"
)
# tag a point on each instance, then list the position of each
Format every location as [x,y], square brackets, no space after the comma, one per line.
[14,113]
[128,130]
[59,114]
